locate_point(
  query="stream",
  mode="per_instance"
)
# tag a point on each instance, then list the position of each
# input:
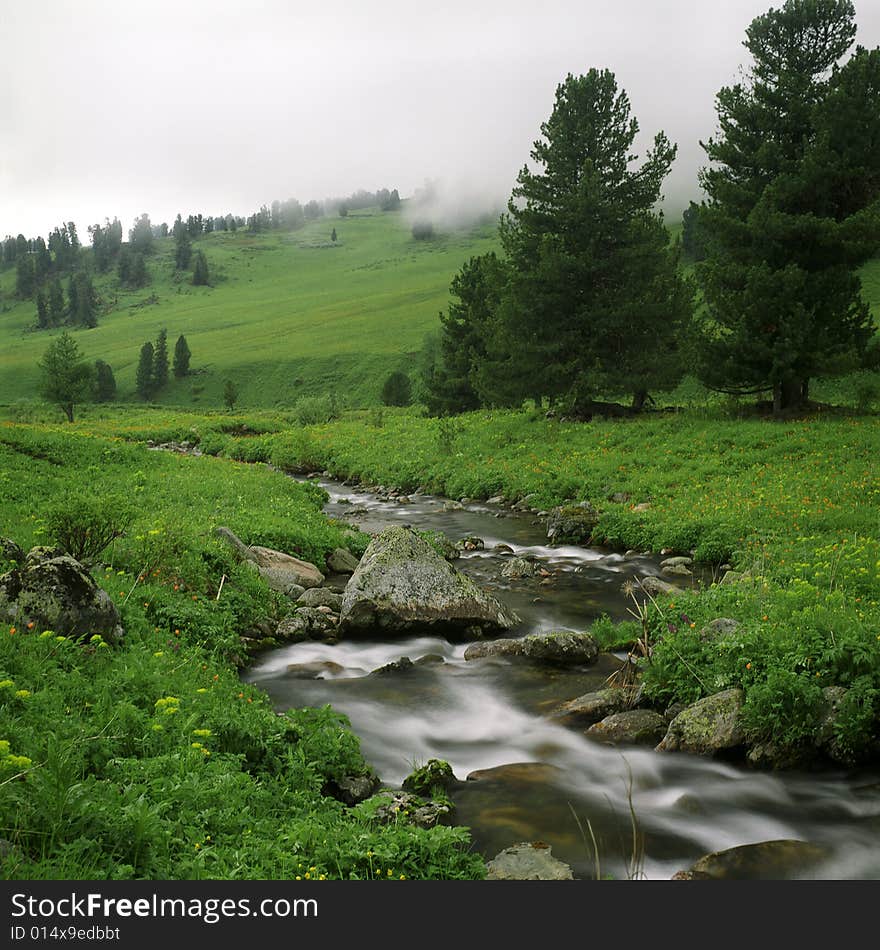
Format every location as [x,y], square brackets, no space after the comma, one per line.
[617,812]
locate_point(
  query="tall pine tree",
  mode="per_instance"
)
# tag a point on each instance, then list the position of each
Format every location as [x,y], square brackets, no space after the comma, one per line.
[181,357]
[594,303]
[160,361]
[794,206]
[144,375]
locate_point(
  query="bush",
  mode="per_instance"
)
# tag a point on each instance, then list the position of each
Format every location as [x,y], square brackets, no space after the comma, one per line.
[423,230]
[314,410]
[84,526]
[397,389]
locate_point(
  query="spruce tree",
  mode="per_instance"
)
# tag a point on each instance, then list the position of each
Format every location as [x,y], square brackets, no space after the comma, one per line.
[794,207]
[144,374]
[56,303]
[200,269]
[43,321]
[160,361]
[594,302]
[105,382]
[181,357]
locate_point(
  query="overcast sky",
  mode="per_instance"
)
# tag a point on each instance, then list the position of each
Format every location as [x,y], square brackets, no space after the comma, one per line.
[111,107]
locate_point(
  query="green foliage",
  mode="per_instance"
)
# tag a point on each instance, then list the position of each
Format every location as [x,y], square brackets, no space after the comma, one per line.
[397,389]
[312,410]
[230,394]
[791,214]
[181,357]
[105,382]
[594,302]
[67,377]
[160,360]
[145,379]
[201,276]
[85,525]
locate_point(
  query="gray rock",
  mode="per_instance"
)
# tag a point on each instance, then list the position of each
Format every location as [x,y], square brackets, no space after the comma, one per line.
[652,585]
[314,670]
[403,665]
[307,623]
[495,500]
[320,597]
[706,727]
[630,727]
[406,807]
[592,707]
[528,861]
[282,572]
[53,591]
[563,648]
[403,585]
[10,551]
[342,562]
[677,570]
[352,789]
[572,524]
[719,629]
[679,561]
[519,567]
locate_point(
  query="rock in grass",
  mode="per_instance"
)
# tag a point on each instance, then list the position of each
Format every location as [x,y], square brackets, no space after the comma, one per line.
[403,585]
[53,591]
[282,572]
[572,524]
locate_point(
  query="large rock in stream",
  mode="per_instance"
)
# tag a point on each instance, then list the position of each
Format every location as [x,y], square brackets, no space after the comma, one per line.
[53,591]
[403,585]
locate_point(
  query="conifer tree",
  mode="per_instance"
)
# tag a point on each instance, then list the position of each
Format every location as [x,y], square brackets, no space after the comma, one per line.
[181,357]
[160,361]
[794,206]
[144,374]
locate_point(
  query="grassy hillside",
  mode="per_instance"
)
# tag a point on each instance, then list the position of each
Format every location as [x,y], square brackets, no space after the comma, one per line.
[290,314]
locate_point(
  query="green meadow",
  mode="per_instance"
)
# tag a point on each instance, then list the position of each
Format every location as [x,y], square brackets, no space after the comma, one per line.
[289,314]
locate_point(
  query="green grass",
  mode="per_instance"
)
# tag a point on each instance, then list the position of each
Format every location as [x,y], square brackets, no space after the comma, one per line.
[289,314]
[795,505]
[151,760]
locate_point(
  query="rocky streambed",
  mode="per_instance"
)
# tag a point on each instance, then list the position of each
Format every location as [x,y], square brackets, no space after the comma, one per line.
[540,747]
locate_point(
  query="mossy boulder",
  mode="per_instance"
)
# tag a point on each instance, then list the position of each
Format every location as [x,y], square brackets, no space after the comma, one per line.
[403,585]
[707,727]
[53,591]
[593,707]
[434,774]
[572,524]
[630,727]
[561,648]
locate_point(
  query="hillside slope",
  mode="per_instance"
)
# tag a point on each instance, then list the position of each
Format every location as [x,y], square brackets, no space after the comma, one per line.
[289,313]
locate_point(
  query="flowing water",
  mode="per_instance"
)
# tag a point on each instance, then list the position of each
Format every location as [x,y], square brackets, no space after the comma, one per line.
[606,811]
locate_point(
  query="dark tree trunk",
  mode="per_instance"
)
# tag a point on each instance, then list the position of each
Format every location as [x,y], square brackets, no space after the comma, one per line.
[68,411]
[640,397]
[788,394]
